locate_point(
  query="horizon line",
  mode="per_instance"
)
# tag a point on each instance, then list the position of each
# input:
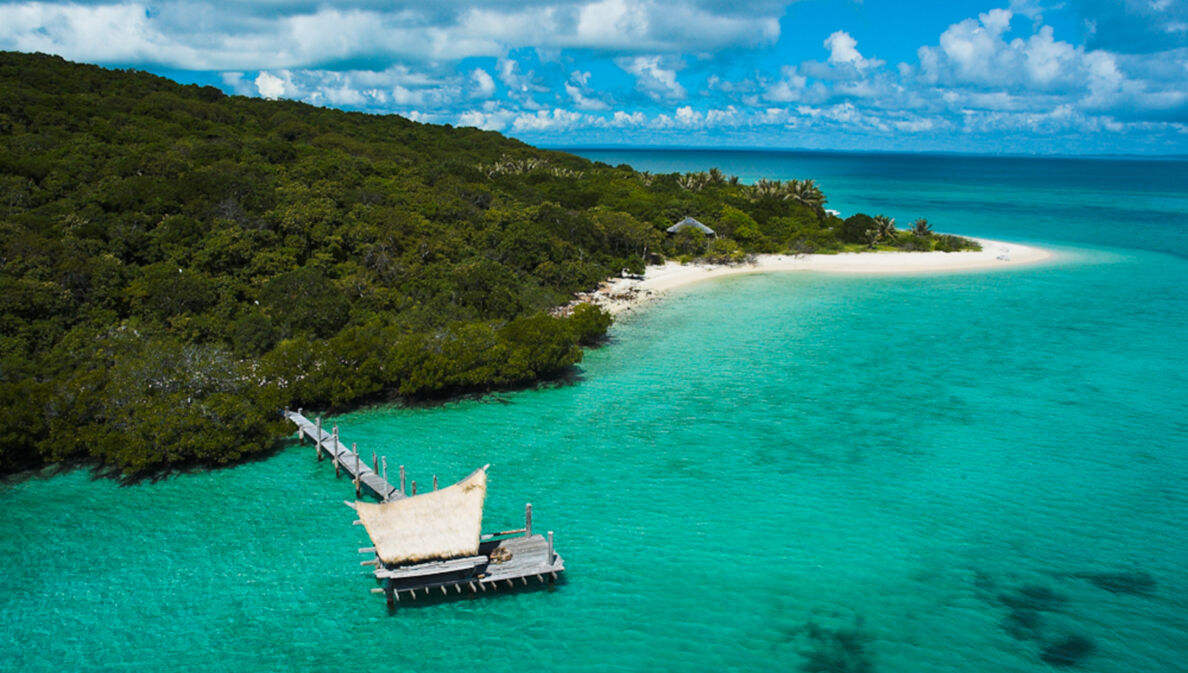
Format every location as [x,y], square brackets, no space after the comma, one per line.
[604,147]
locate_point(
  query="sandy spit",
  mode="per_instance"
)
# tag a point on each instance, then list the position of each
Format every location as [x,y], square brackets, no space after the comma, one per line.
[619,295]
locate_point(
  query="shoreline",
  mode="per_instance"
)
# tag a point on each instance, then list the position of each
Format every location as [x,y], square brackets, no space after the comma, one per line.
[622,295]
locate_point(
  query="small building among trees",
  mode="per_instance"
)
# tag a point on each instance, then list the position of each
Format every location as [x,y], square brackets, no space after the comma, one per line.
[688,223]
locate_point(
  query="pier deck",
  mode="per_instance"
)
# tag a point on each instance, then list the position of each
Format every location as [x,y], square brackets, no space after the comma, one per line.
[349,460]
[525,559]
[503,558]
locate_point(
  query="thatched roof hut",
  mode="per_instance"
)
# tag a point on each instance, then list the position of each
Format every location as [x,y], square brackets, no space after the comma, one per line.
[690,222]
[435,525]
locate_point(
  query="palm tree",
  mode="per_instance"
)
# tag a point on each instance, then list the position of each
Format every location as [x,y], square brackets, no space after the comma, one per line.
[766,189]
[716,177]
[921,227]
[693,181]
[806,192]
[885,228]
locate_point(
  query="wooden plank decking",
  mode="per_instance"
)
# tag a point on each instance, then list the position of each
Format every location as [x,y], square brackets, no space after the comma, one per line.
[527,559]
[500,562]
[349,460]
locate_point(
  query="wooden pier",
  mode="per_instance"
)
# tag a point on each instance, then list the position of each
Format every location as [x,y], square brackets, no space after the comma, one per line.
[344,459]
[503,560]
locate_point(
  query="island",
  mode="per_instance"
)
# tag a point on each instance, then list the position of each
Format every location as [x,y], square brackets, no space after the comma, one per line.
[181,265]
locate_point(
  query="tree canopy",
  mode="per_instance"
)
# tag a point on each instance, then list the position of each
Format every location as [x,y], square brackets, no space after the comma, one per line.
[178,264]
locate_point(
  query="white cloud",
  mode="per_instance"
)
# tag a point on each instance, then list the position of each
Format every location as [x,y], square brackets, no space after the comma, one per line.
[579,91]
[543,120]
[628,120]
[843,51]
[653,78]
[271,86]
[495,119]
[205,35]
[484,86]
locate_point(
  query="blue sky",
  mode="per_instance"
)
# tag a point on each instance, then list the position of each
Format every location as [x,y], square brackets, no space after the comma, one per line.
[992,76]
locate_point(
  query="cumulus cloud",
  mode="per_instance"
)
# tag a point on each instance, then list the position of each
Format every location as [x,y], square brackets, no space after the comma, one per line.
[843,51]
[975,55]
[628,120]
[483,85]
[653,78]
[272,35]
[271,86]
[579,91]
[396,89]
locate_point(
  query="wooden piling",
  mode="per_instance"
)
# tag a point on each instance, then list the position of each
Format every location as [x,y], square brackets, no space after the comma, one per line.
[550,556]
[414,487]
[435,482]
[402,479]
[318,439]
[374,462]
[528,520]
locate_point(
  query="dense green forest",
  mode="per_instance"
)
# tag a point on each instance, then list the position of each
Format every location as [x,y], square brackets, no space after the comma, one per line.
[178,265]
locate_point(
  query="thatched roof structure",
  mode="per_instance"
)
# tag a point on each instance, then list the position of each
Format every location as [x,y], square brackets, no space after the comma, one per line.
[435,525]
[690,222]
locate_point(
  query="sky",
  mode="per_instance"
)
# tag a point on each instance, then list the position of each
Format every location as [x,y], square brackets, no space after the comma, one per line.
[1077,77]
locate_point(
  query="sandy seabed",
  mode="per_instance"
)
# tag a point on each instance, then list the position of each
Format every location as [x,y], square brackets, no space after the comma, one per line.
[619,295]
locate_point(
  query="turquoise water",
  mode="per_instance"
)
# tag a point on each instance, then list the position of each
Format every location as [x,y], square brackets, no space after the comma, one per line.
[784,472]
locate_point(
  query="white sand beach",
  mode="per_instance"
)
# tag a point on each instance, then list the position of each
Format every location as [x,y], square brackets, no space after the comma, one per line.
[619,295]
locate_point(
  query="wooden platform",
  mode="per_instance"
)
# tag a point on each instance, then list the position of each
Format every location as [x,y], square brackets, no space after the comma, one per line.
[350,461]
[529,559]
[503,562]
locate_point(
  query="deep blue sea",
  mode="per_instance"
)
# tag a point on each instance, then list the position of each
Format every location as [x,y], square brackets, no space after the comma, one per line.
[977,472]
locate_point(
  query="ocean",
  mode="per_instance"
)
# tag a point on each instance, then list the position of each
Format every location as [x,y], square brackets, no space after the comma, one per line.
[974,471]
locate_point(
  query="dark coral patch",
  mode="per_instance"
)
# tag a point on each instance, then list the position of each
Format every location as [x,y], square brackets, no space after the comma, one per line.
[836,651]
[1069,651]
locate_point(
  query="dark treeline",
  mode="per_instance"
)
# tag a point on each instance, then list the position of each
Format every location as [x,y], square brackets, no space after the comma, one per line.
[177,265]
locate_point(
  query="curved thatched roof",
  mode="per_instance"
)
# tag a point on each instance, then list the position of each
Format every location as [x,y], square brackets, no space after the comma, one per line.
[690,222]
[436,525]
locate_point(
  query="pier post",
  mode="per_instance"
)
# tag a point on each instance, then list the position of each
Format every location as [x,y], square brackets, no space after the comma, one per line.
[402,491]
[435,482]
[318,439]
[550,556]
[385,470]
[334,453]
[374,462]
[414,486]
[528,520]
[357,491]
